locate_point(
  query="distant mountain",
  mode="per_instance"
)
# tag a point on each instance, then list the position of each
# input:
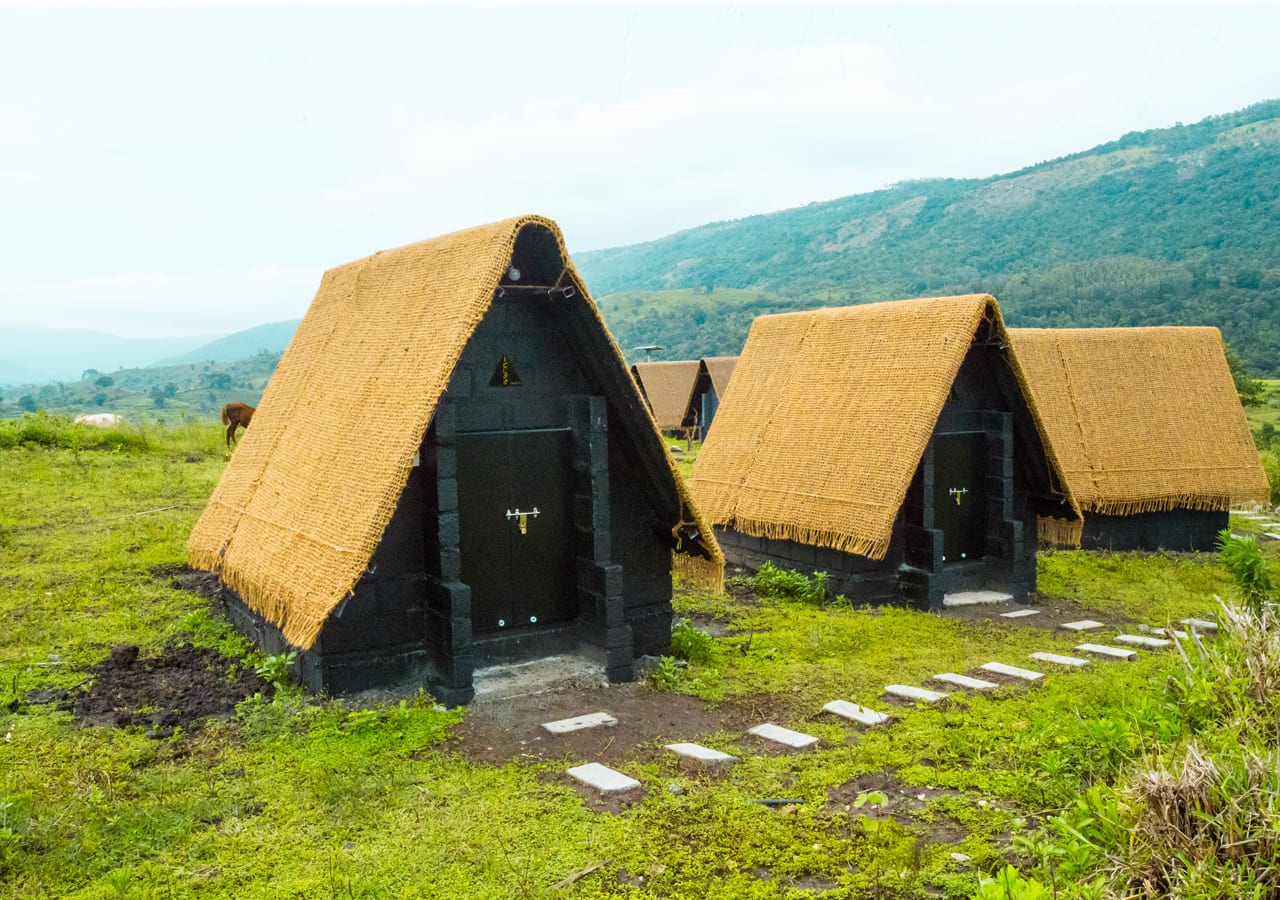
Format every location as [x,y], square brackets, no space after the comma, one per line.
[35,355]
[1177,225]
[270,338]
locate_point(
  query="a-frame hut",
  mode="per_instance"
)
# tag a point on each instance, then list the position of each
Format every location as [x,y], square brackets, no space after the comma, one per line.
[452,468]
[890,445]
[668,388]
[1148,428]
[714,373]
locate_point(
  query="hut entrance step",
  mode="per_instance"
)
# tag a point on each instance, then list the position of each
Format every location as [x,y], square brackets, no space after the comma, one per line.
[974,598]
[539,676]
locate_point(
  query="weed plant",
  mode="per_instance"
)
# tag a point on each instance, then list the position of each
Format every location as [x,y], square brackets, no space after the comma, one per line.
[1194,814]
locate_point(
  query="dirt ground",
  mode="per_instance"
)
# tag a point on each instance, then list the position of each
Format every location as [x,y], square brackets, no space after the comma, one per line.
[1050,617]
[180,688]
[503,730]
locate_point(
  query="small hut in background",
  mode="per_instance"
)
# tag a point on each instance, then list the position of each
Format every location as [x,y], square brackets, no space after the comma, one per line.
[452,468]
[668,388]
[1149,431]
[890,445]
[714,373]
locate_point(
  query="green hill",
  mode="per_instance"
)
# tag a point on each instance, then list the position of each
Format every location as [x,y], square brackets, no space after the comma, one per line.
[153,393]
[270,338]
[1173,226]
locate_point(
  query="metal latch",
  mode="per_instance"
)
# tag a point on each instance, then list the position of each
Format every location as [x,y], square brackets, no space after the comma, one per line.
[524,515]
[958,493]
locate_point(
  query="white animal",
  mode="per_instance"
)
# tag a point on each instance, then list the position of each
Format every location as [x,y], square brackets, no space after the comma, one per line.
[99,420]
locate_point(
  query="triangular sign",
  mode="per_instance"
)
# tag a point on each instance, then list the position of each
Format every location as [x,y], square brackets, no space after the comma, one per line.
[505,374]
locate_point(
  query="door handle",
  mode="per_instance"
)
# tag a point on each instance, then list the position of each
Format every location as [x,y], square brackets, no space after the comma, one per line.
[524,515]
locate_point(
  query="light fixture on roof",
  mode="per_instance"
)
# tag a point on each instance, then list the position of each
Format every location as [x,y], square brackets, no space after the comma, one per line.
[647,349]
[513,273]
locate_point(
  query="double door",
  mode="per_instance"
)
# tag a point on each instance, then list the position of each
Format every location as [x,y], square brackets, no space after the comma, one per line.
[516,527]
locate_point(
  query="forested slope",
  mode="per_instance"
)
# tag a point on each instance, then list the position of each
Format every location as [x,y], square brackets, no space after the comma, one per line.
[1173,226]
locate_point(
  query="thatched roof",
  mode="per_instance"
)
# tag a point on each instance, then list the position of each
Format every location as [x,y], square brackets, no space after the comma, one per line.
[310,489]
[1142,419]
[720,370]
[668,386]
[829,417]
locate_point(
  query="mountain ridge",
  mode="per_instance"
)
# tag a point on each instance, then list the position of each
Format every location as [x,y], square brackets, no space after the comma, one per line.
[1168,226]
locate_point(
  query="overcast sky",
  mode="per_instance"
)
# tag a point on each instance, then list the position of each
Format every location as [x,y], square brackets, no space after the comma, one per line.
[195,169]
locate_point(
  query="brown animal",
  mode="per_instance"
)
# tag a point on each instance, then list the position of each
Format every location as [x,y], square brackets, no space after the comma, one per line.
[234,415]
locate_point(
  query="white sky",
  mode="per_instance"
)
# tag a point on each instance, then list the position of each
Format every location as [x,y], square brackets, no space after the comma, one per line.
[194,169]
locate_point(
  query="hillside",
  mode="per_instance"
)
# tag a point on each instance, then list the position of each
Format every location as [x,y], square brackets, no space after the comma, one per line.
[270,338]
[32,355]
[151,393]
[1171,226]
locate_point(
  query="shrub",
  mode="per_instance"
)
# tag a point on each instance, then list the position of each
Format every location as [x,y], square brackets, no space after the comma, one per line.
[791,585]
[692,644]
[276,670]
[1243,562]
[46,430]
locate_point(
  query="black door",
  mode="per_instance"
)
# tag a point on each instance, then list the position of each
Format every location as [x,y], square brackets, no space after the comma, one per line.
[516,527]
[959,494]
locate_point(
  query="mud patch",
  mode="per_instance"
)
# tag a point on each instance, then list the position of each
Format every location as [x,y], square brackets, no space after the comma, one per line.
[906,801]
[1054,611]
[180,688]
[185,578]
[612,803]
[500,731]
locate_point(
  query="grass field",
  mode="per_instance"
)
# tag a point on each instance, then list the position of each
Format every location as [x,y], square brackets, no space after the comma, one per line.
[1269,410]
[298,796]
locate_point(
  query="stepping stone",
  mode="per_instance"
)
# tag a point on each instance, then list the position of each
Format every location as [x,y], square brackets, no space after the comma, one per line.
[1271,535]
[855,713]
[1083,625]
[591,720]
[1011,671]
[603,779]
[974,598]
[1201,625]
[1074,661]
[1019,613]
[704,755]
[1172,632]
[1109,652]
[907,692]
[1141,640]
[964,681]
[785,736]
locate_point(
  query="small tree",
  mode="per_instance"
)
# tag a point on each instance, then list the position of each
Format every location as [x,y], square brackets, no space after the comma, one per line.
[104,381]
[89,373]
[27,402]
[1249,389]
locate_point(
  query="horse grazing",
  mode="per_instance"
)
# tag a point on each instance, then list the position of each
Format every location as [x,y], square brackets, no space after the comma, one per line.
[235,415]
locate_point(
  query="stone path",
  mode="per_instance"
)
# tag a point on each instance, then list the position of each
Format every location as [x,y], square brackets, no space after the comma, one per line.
[607,780]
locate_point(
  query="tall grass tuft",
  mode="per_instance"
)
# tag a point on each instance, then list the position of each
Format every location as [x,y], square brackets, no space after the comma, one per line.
[43,429]
[1244,563]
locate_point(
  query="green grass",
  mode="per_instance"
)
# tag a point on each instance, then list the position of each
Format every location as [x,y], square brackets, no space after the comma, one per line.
[1269,410]
[304,797]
